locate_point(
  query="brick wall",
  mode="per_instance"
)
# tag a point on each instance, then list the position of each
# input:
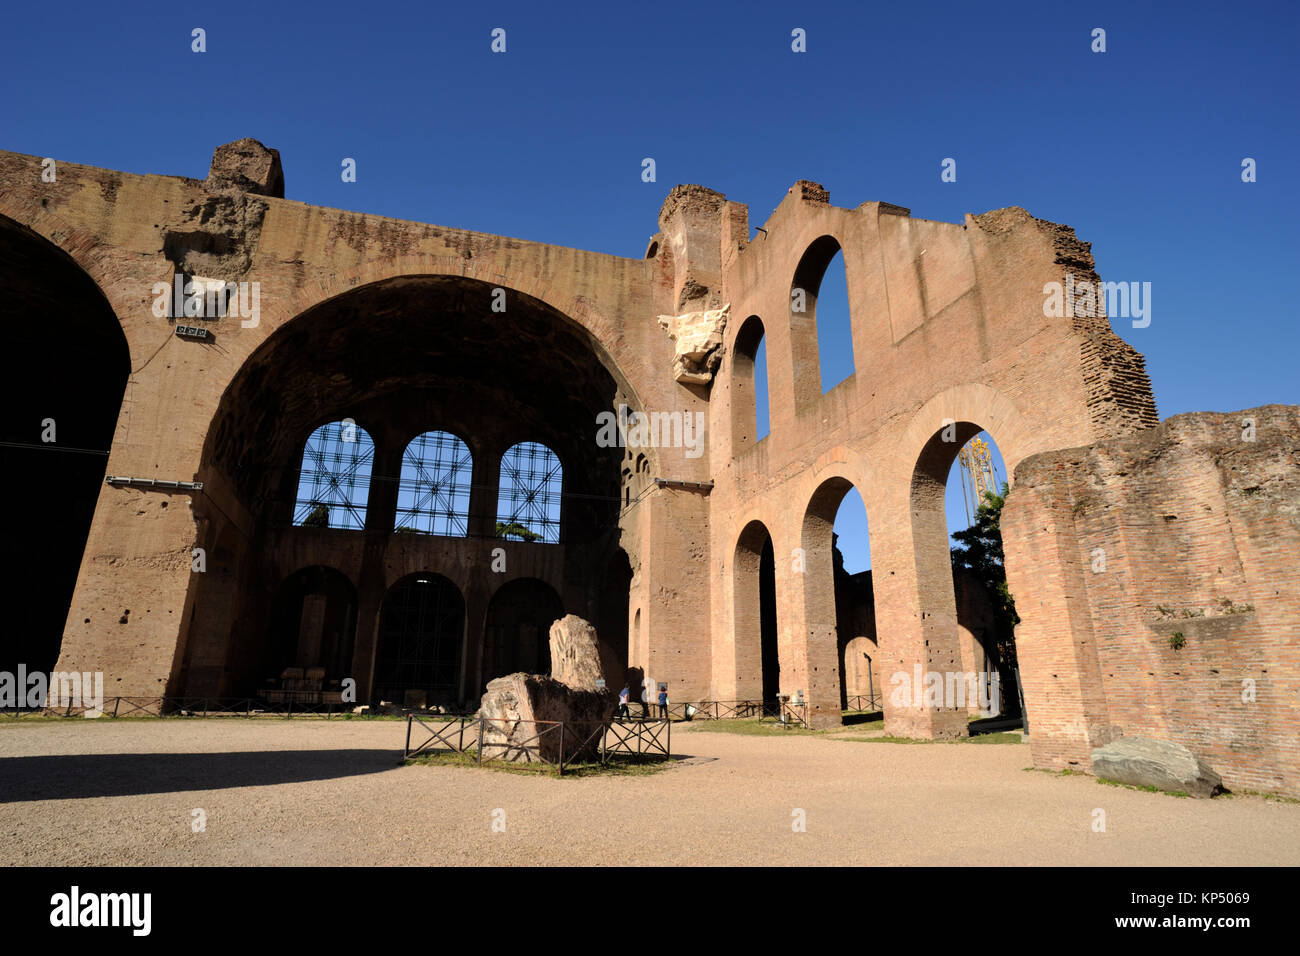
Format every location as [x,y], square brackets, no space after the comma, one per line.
[1185,534]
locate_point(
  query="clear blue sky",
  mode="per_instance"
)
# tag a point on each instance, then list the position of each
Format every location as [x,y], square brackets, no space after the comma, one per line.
[1138,148]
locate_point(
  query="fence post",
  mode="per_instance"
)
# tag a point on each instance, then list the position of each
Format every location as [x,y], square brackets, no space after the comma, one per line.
[116,701]
[480,741]
[561,748]
[407,751]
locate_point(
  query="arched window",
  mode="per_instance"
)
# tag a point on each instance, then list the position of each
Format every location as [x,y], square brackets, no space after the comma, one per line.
[433,491]
[335,479]
[528,508]
[834,329]
[749,399]
[820,326]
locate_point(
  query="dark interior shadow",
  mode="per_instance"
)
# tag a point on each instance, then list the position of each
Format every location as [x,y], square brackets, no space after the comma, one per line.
[993,725]
[850,719]
[74,776]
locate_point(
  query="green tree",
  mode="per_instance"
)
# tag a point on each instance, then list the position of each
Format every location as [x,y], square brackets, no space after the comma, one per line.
[513,529]
[978,550]
[319,517]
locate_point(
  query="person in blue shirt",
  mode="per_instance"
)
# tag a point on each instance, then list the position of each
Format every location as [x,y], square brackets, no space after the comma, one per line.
[663,703]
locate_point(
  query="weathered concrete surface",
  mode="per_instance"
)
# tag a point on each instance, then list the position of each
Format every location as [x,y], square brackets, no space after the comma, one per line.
[1143,762]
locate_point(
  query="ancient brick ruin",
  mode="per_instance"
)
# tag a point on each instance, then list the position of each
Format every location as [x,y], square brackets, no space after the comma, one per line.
[515,350]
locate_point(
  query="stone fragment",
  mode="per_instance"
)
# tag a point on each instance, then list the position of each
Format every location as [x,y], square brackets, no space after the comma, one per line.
[1143,762]
[575,654]
[698,336]
[246,166]
[516,708]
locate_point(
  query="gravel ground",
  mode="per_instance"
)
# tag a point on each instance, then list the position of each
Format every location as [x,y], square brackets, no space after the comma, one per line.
[317,792]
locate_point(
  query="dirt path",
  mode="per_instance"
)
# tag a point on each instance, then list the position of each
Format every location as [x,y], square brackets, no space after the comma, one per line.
[316,792]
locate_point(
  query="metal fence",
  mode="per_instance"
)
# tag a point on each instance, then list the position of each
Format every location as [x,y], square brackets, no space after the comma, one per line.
[546,743]
[295,705]
[190,707]
[864,702]
[784,711]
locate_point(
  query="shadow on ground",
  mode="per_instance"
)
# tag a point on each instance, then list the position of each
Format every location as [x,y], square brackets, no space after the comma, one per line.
[872,717]
[74,776]
[994,725]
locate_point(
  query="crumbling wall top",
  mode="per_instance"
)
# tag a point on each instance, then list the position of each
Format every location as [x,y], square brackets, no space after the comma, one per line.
[246,166]
[811,191]
[690,199]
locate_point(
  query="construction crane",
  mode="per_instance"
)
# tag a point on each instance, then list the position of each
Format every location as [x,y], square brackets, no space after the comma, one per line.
[978,475]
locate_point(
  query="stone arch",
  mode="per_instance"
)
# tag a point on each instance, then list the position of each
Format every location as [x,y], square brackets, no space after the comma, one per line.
[419,657]
[21,215]
[1018,435]
[816,538]
[368,354]
[484,273]
[312,625]
[517,630]
[60,328]
[230,442]
[757,664]
[944,632]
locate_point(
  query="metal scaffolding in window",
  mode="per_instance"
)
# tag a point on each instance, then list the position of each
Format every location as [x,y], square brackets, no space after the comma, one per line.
[528,507]
[335,479]
[433,490]
[422,627]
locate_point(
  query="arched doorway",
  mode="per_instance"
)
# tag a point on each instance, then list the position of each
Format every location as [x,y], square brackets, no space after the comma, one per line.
[421,640]
[831,598]
[757,657]
[967,614]
[858,641]
[313,627]
[61,395]
[517,634]
[421,356]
